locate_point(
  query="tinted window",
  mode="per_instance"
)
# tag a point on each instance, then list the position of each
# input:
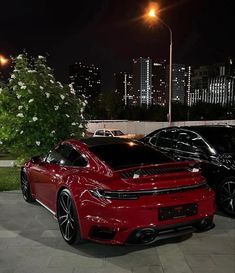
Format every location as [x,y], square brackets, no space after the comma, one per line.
[123,155]
[107,133]
[167,139]
[58,154]
[185,142]
[66,155]
[99,133]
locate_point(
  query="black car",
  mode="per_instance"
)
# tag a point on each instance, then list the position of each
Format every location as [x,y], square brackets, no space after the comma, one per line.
[212,146]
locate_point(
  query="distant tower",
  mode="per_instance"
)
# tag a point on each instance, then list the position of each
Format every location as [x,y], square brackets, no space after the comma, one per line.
[142,80]
[178,82]
[159,92]
[123,85]
[85,79]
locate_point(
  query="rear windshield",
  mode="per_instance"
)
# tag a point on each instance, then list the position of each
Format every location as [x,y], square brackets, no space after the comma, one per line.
[124,155]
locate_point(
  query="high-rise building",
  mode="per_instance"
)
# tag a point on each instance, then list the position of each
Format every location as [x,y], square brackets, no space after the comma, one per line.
[159,92]
[178,82]
[123,85]
[142,81]
[213,84]
[85,79]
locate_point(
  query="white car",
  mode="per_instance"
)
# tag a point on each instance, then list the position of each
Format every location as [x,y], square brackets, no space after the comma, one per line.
[112,133]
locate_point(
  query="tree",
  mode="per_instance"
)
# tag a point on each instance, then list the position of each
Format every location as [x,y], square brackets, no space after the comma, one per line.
[36,111]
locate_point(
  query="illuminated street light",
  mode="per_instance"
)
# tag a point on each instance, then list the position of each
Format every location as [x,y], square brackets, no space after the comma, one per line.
[3,60]
[152,14]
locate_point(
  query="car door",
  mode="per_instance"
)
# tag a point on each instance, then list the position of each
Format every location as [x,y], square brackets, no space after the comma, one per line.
[48,174]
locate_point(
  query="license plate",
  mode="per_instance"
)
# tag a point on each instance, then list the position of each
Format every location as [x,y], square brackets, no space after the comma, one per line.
[180,211]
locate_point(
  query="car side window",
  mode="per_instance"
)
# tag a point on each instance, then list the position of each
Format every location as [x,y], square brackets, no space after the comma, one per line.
[108,133]
[99,133]
[66,155]
[185,142]
[76,159]
[166,139]
[58,155]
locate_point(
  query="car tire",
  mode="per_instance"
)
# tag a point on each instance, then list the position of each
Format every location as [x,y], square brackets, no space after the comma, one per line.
[68,219]
[25,188]
[226,195]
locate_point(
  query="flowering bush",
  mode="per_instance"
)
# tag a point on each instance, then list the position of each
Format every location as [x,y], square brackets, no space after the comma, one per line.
[36,111]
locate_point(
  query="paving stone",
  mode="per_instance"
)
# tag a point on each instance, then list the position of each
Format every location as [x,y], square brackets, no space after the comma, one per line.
[30,241]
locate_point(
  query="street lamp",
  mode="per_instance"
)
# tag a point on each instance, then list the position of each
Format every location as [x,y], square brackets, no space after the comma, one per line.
[3,60]
[152,14]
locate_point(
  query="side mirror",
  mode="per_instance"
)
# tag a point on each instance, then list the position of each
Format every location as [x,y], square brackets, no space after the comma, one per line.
[36,159]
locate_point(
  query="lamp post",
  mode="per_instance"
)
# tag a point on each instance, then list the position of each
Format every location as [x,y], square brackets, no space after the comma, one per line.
[3,60]
[152,14]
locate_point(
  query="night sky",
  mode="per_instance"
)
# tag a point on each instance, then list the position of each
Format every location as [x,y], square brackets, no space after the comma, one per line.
[110,33]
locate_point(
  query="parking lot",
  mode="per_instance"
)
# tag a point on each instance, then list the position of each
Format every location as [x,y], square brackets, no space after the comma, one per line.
[30,241]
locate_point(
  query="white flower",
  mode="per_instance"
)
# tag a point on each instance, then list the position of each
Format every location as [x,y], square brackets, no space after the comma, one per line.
[80,126]
[20,107]
[21,132]
[47,95]
[41,87]
[38,143]
[20,115]
[72,134]
[68,116]
[40,57]
[31,71]
[60,84]
[62,96]
[53,131]
[29,91]
[13,76]
[19,57]
[18,96]
[31,100]
[66,103]
[1,142]
[73,123]
[23,87]
[51,81]
[34,118]
[20,83]
[14,87]
[56,107]
[83,134]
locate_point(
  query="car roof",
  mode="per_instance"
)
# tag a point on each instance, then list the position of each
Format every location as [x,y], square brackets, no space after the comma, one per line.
[110,129]
[99,141]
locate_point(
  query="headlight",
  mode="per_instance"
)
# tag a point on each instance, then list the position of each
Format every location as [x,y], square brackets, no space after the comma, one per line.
[123,195]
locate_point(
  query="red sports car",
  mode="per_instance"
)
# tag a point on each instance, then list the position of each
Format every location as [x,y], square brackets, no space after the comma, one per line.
[117,191]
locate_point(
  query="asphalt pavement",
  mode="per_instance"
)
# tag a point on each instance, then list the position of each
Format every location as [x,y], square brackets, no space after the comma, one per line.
[30,242]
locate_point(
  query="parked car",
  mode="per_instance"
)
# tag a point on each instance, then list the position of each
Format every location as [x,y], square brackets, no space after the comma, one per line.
[118,191]
[212,146]
[112,133]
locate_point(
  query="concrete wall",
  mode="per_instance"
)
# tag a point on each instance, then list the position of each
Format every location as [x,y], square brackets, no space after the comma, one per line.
[146,127]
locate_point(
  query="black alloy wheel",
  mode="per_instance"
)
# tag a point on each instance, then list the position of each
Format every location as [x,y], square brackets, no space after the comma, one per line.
[226,195]
[67,218]
[25,187]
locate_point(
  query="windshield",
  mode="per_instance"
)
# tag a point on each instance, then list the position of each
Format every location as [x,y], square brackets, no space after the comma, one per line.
[124,155]
[117,133]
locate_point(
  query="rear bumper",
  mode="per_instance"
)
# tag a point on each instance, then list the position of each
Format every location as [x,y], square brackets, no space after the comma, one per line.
[119,221]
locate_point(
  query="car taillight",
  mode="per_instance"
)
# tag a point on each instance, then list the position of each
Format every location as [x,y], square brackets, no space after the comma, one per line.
[123,195]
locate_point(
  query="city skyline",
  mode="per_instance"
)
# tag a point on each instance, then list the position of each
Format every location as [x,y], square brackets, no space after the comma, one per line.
[110,33]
